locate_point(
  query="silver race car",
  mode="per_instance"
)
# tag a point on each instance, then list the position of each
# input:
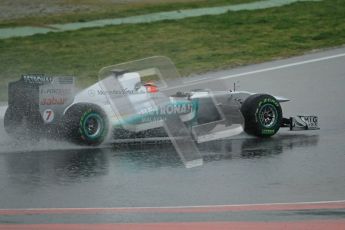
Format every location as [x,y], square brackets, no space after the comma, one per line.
[137,101]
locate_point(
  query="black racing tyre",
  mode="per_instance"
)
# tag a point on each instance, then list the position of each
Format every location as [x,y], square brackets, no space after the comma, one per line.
[13,122]
[85,124]
[262,114]
[23,128]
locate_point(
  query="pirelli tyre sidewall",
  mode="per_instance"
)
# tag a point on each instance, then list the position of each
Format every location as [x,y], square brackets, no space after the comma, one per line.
[262,114]
[85,124]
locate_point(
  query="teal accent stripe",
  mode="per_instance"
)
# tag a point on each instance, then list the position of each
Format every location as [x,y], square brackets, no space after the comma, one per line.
[138,118]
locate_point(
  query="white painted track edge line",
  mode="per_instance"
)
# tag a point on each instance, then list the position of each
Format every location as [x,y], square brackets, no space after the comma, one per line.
[189,83]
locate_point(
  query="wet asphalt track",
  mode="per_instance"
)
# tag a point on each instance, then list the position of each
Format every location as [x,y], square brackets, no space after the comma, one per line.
[288,168]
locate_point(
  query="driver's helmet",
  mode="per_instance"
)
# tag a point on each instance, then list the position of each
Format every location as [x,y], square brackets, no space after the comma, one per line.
[151,87]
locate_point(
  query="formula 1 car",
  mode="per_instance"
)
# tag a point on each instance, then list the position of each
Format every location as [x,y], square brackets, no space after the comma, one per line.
[134,101]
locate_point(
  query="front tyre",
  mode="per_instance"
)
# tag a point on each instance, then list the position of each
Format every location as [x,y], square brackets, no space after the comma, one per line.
[85,124]
[262,114]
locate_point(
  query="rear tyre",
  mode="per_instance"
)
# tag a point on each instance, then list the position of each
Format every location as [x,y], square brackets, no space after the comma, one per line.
[13,123]
[262,114]
[85,124]
[23,128]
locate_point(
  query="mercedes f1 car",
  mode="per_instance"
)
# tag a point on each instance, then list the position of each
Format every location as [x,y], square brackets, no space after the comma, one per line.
[134,101]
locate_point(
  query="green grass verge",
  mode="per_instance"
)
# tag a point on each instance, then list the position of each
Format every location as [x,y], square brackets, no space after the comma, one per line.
[195,45]
[100,9]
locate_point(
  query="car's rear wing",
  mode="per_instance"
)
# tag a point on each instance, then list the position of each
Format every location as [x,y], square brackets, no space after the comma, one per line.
[23,95]
[34,93]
